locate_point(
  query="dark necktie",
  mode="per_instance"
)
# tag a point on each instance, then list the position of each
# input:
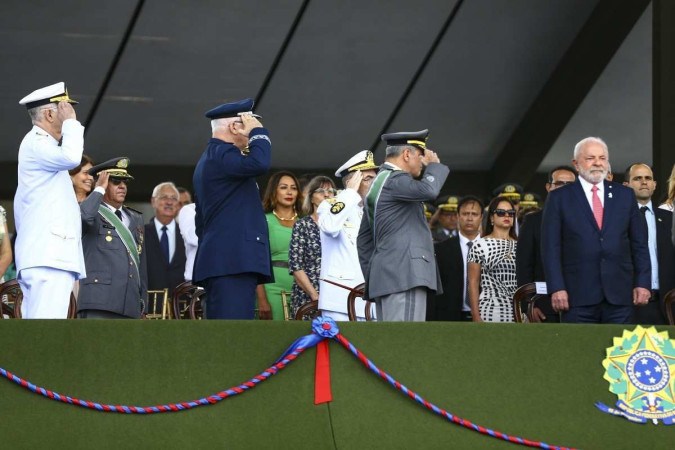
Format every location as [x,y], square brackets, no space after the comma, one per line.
[467,303]
[644,209]
[118,213]
[164,243]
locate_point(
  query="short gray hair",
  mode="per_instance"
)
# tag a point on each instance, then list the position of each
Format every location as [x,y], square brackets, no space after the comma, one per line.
[160,186]
[589,140]
[395,150]
[34,113]
[223,122]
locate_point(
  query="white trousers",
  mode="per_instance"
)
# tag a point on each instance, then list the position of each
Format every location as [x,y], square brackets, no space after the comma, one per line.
[46,292]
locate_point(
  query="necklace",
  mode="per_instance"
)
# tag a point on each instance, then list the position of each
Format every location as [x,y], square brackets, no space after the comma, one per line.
[295,215]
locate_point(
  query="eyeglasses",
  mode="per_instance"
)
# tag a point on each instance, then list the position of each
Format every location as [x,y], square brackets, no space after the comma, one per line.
[117,181]
[560,183]
[325,191]
[504,212]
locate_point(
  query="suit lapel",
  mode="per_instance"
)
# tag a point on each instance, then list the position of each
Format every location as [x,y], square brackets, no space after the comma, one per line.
[582,200]
[608,208]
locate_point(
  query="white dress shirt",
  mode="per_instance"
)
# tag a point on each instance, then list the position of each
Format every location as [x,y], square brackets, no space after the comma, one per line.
[587,187]
[186,223]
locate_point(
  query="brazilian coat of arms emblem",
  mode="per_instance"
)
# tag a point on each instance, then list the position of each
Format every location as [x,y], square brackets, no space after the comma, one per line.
[639,369]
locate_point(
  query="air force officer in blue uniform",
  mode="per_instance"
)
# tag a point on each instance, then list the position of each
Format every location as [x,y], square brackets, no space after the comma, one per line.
[234,253]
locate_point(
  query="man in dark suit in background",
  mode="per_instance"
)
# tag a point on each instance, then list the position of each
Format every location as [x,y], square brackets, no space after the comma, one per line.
[640,178]
[233,256]
[163,241]
[112,238]
[453,303]
[594,244]
[529,266]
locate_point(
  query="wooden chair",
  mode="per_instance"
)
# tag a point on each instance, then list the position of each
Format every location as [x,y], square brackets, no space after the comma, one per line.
[358,292]
[668,301]
[182,298]
[159,307]
[308,310]
[11,305]
[196,307]
[526,294]
[10,296]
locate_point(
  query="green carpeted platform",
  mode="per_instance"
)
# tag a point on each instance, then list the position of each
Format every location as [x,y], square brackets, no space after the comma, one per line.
[536,381]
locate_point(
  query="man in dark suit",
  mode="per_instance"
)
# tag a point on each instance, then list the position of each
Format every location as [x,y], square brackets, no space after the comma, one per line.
[453,303]
[233,256]
[163,242]
[529,266]
[116,282]
[640,178]
[594,244]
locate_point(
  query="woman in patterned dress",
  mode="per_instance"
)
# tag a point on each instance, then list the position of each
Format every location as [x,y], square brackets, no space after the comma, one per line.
[304,254]
[282,202]
[492,266]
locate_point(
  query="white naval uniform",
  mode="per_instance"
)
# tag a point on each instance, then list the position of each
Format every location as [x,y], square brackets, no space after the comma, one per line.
[339,257]
[47,219]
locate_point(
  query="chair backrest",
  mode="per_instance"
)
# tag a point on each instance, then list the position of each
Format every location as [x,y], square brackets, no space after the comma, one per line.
[357,292]
[158,307]
[526,295]
[12,297]
[668,302]
[196,307]
[181,299]
[308,310]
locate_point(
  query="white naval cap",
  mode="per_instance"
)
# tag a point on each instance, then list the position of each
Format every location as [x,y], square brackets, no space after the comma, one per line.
[49,94]
[363,160]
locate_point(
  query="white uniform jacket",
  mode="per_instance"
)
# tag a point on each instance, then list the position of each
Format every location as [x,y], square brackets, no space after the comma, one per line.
[46,212]
[339,221]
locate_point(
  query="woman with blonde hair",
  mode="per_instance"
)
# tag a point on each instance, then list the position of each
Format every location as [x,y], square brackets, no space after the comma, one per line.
[668,203]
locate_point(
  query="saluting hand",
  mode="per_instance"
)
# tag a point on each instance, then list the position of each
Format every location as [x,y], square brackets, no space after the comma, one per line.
[430,156]
[103,180]
[65,110]
[355,181]
[250,122]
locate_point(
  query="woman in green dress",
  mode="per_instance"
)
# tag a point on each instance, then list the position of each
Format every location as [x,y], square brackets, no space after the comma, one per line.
[281,202]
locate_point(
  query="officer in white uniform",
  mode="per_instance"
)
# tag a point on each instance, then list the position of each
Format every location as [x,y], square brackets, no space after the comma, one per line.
[48,245]
[339,221]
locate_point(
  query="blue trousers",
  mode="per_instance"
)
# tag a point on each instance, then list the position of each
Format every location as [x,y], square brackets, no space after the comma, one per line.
[231,296]
[603,312]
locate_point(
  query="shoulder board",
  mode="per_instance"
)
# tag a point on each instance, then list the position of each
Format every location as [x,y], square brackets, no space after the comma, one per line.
[132,209]
[331,200]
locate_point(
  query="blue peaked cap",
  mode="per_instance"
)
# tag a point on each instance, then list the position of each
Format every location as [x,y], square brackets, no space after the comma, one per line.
[231,109]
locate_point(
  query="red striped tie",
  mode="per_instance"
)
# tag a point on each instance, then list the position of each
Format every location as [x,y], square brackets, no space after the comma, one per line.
[597,206]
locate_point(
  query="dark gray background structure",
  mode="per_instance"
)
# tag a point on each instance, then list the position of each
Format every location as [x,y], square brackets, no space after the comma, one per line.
[507,87]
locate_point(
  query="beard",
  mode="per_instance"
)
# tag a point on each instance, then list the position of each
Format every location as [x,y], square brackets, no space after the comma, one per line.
[592,175]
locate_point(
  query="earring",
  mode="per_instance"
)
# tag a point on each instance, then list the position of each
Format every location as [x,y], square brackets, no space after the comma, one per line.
[492,223]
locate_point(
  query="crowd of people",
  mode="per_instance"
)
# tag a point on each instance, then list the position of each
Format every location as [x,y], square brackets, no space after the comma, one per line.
[604,251]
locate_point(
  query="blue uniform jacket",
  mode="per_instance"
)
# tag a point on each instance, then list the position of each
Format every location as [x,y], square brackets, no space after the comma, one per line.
[230,222]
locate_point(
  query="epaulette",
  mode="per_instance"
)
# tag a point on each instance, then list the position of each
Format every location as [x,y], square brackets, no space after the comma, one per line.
[331,200]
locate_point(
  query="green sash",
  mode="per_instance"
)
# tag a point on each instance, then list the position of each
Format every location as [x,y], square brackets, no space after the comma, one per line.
[374,195]
[124,234]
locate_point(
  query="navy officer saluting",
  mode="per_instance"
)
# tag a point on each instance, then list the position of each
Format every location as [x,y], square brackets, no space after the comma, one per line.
[234,253]
[116,286]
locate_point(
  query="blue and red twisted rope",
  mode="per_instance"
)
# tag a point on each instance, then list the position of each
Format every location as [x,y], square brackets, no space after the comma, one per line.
[435,409]
[322,328]
[171,407]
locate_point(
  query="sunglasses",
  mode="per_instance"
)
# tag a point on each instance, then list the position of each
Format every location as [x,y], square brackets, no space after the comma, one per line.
[560,183]
[117,181]
[504,212]
[325,191]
